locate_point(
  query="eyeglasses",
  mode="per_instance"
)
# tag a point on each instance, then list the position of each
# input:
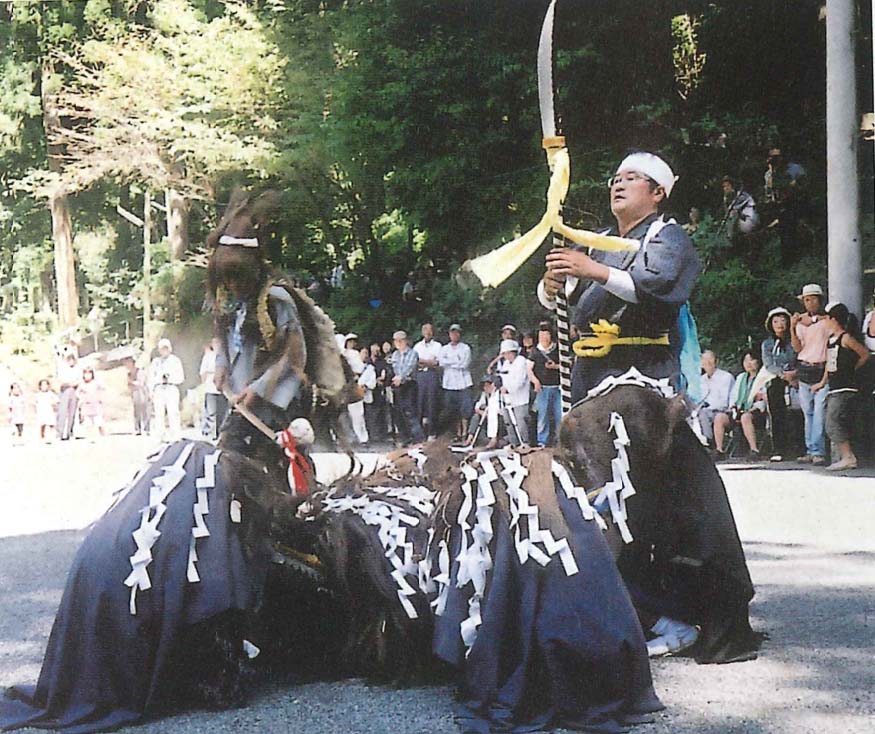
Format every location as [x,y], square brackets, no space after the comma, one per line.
[628,178]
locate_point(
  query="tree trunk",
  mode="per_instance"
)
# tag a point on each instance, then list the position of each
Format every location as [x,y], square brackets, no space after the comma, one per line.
[177,223]
[65,266]
[147,265]
[62,229]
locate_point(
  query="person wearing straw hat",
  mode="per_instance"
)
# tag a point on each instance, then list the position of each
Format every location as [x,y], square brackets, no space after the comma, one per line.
[809,333]
[628,302]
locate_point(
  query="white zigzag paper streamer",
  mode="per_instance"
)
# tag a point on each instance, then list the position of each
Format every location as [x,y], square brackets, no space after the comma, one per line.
[620,488]
[391,522]
[474,558]
[520,507]
[577,494]
[147,534]
[632,377]
[200,509]
[420,458]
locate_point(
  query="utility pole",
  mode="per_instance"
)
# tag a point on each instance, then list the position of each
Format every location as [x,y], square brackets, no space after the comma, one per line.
[845,265]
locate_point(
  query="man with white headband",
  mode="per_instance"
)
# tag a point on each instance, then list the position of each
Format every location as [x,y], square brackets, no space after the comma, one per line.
[640,293]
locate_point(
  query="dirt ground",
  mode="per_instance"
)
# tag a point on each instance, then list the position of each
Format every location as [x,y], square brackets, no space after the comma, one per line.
[808,538]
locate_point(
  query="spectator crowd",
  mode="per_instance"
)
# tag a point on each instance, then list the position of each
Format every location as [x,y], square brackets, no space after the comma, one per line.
[807,390]
[410,391]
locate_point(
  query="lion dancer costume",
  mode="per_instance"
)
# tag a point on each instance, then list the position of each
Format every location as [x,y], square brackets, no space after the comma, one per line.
[160,594]
[684,567]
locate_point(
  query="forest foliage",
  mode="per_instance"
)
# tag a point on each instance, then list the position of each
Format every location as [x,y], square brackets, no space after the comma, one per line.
[404,135]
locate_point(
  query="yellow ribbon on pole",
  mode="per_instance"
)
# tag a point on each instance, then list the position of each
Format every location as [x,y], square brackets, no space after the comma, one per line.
[496,266]
[606,336]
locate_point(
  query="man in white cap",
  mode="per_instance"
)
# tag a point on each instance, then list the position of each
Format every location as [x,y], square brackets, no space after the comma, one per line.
[809,333]
[165,376]
[640,292]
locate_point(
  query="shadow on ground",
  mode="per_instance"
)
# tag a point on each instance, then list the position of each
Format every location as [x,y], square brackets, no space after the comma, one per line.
[814,674]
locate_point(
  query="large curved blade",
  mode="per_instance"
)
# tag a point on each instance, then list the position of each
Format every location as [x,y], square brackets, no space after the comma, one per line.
[545,74]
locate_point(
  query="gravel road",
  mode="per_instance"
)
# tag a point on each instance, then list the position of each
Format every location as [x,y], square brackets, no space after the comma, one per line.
[809,543]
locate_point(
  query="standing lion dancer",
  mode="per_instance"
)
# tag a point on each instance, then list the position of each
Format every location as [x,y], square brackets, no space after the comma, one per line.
[262,352]
[495,267]
[271,336]
[680,553]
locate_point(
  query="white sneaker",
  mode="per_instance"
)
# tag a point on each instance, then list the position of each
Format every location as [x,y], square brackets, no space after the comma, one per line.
[674,636]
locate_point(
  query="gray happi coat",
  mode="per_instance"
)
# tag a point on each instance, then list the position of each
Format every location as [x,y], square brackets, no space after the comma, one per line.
[664,272]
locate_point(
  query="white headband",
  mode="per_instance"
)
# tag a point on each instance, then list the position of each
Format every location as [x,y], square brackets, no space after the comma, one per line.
[651,166]
[227,239]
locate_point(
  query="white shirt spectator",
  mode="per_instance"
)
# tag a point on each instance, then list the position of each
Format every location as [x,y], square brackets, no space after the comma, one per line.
[208,372]
[489,405]
[717,389]
[455,359]
[169,366]
[428,350]
[368,380]
[515,378]
[69,374]
[354,360]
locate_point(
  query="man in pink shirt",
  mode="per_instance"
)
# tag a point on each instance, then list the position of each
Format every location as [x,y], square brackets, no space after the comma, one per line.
[809,332]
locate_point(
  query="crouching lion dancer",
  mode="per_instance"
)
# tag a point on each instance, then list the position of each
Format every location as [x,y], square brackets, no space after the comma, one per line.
[159,599]
[682,560]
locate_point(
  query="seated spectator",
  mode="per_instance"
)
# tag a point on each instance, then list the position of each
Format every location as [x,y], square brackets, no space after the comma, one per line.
[717,387]
[844,357]
[411,291]
[779,359]
[695,217]
[515,393]
[786,199]
[747,408]
[486,412]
